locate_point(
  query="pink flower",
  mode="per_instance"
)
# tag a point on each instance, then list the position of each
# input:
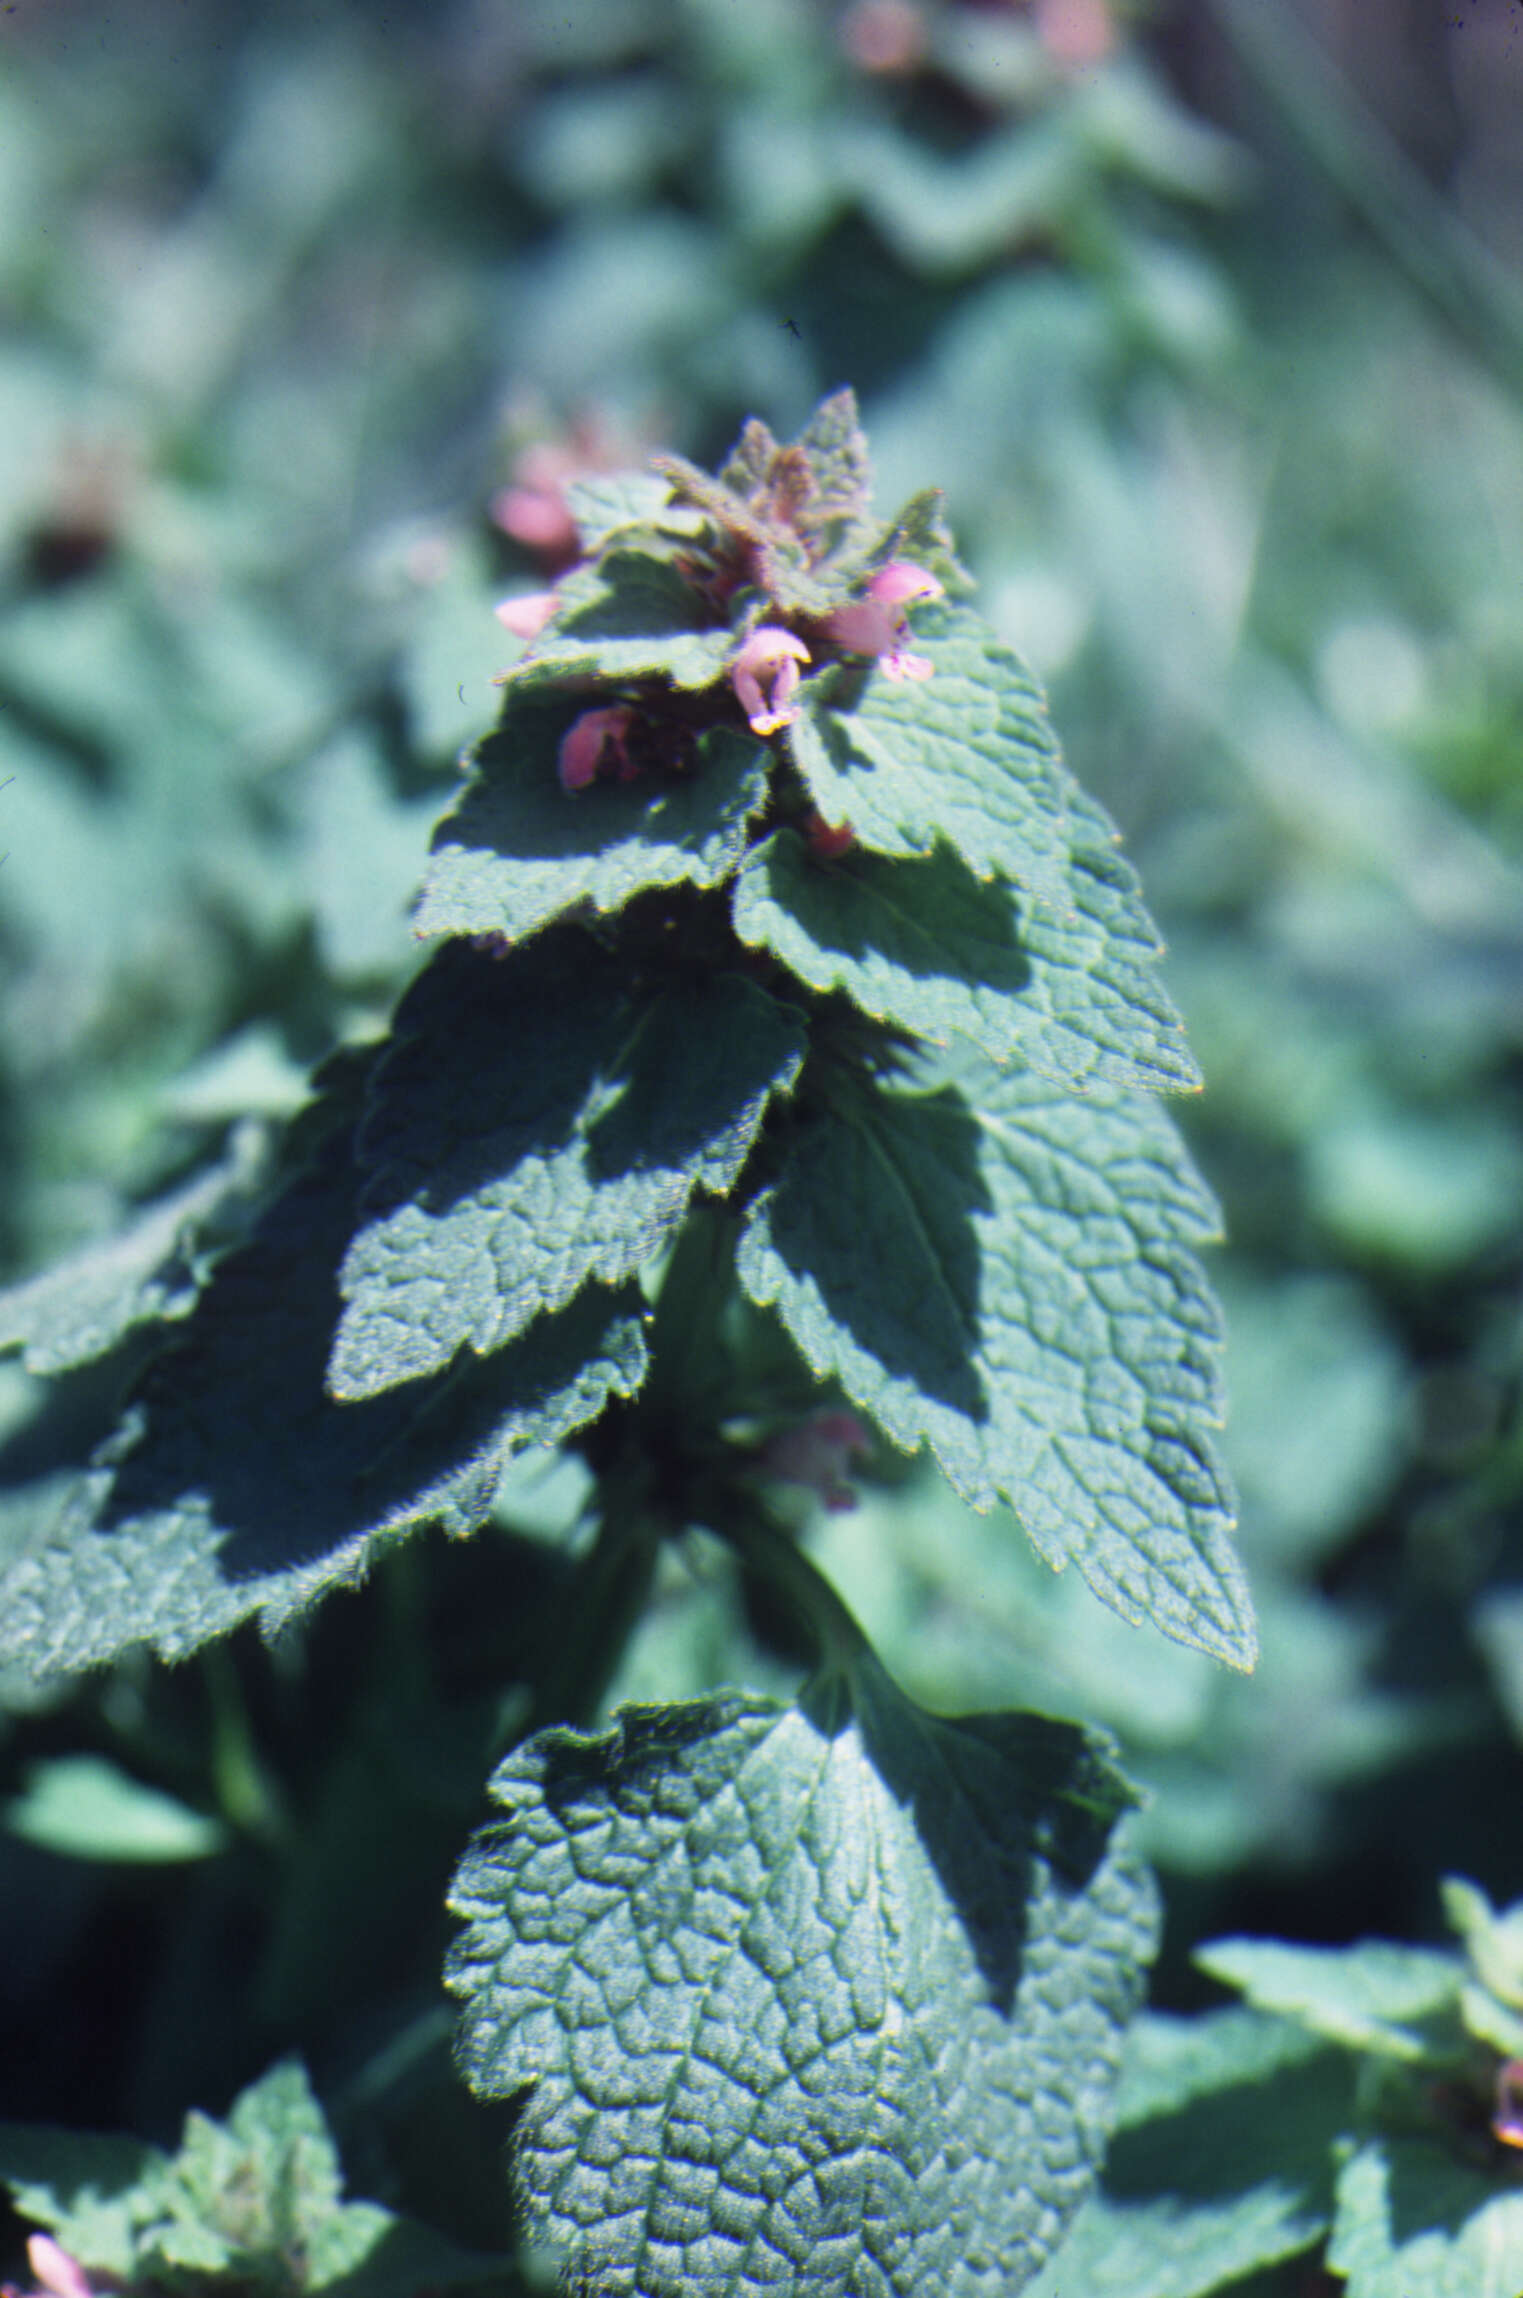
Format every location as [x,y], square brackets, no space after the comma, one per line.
[591,741]
[883,35]
[1507,2121]
[527,612]
[534,510]
[1075,32]
[774,655]
[818,1453]
[57,2274]
[878,624]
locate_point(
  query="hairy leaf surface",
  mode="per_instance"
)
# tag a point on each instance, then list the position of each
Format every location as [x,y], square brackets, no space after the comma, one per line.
[966,756]
[825,2006]
[238,1488]
[627,615]
[925,944]
[519,851]
[1008,1272]
[540,1121]
[608,503]
[79,1310]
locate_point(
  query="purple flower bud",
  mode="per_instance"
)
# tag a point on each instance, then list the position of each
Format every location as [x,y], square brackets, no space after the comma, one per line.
[592,739]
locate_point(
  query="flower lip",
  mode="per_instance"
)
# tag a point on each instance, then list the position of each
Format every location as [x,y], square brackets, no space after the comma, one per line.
[526,613]
[878,624]
[773,655]
[900,582]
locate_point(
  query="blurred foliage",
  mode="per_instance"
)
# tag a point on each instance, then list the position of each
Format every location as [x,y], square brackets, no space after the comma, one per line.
[310,315]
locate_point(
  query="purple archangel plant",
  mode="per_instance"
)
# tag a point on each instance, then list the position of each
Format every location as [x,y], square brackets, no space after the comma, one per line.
[783,1087]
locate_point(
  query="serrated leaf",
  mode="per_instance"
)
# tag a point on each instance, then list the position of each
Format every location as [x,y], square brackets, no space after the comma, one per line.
[925,944]
[519,851]
[1221,2161]
[1414,2220]
[1373,1997]
[836,515]
[920,532]
[1007,1272]
[629,615]
[1493,1942]
[540,1121]
[90,2189]
[258,2198]
[237,1487]
[606,503]
[820,2007]
[81,1309]
[966,756]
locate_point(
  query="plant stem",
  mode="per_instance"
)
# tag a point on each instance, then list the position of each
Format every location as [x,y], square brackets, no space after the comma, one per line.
[839,1643]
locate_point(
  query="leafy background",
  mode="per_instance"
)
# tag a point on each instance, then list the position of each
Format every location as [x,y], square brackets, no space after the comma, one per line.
[1219,359]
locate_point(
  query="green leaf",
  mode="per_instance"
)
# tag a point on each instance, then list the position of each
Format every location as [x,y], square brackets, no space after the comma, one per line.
[82,1308]
[921,533]
[825,2006]
[1007,1272]
[628,615]
[1412,2219]
[238,1488]
[90,2190]
[83,1807]
[455,652]
[926,945]
[835,517]
[540,1121]
[967,756]
[1493,1942]
[258,2199]
[519,851]
[1221,2161]
[1372,1997]
[348,810]
[606,503]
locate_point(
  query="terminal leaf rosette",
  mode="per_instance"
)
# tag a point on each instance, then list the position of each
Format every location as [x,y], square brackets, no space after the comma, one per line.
[771,902]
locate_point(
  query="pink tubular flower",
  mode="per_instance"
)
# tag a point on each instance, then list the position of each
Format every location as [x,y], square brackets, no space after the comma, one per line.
[533,508]
[1075,33]
[590,740]
[883,35]
[1507,2121]
[878,624]
[818,1453]
[774,655]
[527,612]
[57,2274]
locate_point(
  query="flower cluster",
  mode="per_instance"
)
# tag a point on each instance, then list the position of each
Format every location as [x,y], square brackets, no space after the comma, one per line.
[878,624]
[765,673]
